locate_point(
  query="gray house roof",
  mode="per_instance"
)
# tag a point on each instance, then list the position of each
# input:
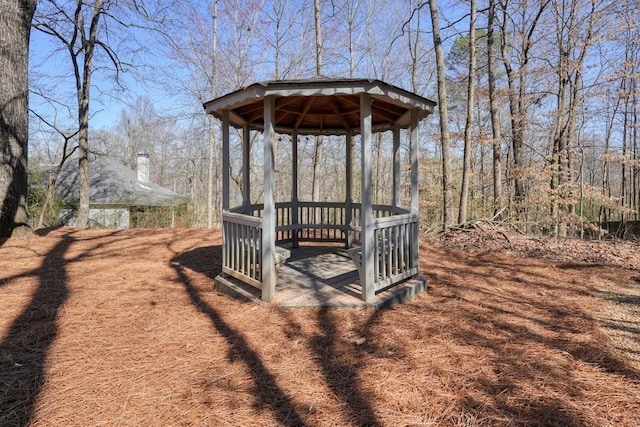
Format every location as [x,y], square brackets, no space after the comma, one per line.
[113,184]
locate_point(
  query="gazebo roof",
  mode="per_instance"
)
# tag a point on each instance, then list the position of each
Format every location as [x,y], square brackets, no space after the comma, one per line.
[320,105]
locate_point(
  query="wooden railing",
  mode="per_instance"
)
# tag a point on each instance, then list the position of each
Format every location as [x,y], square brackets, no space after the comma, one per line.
[241,255]
[395,249]
[395,242]
[317,221]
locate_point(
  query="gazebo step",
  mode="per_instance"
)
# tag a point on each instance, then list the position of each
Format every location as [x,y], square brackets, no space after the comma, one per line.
[400,293]
[237,289]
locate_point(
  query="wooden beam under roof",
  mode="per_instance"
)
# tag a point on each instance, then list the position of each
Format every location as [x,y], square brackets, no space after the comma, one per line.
[336,109]
[305,110]
[254,115]
[379,111]
[350,99]
[248,109]
[283,102]
[380,107]
[394,109]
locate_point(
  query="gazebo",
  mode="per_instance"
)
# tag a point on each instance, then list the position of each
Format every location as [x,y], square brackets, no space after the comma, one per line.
[382,240]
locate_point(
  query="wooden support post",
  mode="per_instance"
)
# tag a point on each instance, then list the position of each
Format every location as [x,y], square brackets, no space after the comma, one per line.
[268,214]
[415,202]
[366,211]
[414,162]
[246,165]
[225,181]
[225,160]
[294,186]
[348,214]
[396,168]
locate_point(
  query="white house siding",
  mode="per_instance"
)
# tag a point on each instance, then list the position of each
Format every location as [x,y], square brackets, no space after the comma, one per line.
[109,218]
[100,218]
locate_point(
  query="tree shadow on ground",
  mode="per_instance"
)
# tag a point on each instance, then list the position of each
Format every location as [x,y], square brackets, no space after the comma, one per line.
[24,351]
[206,260]
[340,374]
[45,231]
[336,362]
[560,314]
[268,394]
[531,330]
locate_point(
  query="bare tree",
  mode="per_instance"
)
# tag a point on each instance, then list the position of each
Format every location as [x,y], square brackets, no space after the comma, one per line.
[496,140]
[212,202]
[87,33]
[15,26]
[67,152]
[279,36]
[627,76]
[80,40]
[571,22]
[353,19]
[516,64]
[318,27]
[317,156]
[468,128]
[288,38]
[447,191]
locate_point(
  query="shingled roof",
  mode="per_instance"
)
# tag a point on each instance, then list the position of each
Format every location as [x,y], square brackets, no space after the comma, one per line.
[320,105]
[112,184]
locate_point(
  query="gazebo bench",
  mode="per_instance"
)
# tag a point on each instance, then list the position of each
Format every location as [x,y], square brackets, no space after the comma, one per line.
[383,246]
[356,256]
[281,255]
[338,228]
[314,226]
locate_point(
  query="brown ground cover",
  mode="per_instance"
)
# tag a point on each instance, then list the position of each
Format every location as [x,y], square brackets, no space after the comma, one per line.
[123,328]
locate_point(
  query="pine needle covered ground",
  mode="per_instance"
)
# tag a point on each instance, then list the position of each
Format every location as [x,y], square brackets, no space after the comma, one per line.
[103,327]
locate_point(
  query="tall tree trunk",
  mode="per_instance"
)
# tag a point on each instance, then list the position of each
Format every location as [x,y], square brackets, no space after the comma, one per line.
[496,141]
[414,44]
[317,21]
[15,28]
[468,128]
[623,178]
[571,56]
[447,193]
[83,111]
[559,147]
[317,155]
[634,139]
[213,146]
[605,212]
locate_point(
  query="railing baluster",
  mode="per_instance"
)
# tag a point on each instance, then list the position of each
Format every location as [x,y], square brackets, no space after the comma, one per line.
[402,245]
[392,249]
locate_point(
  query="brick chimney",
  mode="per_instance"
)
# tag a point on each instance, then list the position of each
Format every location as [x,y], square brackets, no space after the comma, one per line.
[143,167]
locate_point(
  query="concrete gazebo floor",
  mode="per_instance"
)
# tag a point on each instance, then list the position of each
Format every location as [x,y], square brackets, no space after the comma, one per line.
[321,276]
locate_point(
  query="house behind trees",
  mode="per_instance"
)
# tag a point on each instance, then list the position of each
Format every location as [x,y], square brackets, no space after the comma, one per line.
[120,197]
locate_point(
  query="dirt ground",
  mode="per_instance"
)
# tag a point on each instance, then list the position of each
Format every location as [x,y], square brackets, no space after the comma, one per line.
[124,328]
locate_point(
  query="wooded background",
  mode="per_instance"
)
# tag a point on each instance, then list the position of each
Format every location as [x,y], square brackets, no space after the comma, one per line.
[537,122]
